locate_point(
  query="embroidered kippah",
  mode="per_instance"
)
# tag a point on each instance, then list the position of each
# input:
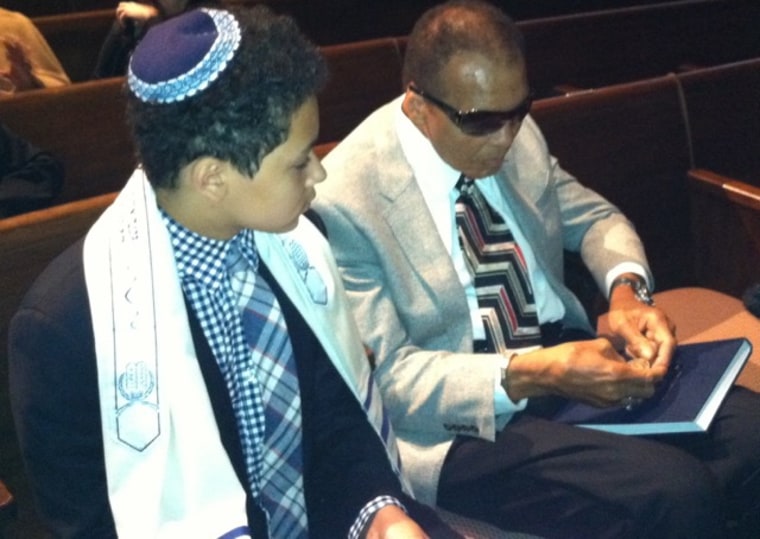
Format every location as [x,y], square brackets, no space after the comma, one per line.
[183,55]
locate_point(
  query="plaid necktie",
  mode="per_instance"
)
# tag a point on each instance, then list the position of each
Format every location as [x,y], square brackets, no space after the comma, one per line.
[269,381]
[502,285]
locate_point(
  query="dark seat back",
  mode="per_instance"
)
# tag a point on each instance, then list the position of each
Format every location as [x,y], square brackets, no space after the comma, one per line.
[594,49]
[723,105]
[77,38]
[84,125]
[363,76]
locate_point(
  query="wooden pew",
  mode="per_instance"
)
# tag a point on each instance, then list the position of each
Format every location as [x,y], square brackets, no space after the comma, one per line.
[726,231]
[82,124]
[45,7]
[363,76]
[564,52]
[590,50]
[723,107]
[77,38]
[28,243]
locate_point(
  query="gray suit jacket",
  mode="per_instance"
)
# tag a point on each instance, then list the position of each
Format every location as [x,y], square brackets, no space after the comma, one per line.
[408,301]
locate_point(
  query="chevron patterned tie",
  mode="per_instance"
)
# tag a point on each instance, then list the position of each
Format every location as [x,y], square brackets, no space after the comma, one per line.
[502,285]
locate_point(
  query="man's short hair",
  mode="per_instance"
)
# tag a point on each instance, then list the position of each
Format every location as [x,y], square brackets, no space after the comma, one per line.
[454,27]
[242,115]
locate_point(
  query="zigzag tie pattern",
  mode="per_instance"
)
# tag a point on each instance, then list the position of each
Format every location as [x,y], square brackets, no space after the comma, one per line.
[504,292]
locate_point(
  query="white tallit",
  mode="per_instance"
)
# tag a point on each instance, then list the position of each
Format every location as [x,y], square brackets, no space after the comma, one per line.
[168,473]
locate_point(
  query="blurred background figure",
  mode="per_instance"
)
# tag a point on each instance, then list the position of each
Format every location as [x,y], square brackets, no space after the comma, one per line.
[26,60]
[7,506]
[133,19]
[30,178]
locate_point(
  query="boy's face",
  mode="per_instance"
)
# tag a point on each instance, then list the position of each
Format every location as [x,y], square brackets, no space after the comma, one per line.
[283,187]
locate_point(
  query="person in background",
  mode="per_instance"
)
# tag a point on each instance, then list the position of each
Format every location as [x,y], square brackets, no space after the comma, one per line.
[8,507]
[192,369]
[26,60]
[449,217]
[133,19]
[30,178]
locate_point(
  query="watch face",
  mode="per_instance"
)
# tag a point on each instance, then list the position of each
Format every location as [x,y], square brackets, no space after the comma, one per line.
[643,295]
[639,287]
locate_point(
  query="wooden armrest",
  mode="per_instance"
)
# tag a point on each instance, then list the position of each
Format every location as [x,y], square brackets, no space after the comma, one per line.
[736,191]
[49,224]
[567,89]
[321,150]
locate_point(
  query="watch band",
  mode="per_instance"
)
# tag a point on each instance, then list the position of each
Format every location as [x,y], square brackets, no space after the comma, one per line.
[639,288]
[504,371]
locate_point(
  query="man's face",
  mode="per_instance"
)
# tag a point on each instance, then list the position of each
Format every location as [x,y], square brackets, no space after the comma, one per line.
[283,187]
[472,81]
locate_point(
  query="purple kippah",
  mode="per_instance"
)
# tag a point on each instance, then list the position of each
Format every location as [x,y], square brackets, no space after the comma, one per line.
[183,55]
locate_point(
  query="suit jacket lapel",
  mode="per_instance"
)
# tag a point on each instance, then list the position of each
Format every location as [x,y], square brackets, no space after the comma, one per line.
[412,225]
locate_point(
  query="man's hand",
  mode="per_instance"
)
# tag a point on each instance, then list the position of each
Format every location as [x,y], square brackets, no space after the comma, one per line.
[647,331]
[20,68]
[391,522]
[589,371]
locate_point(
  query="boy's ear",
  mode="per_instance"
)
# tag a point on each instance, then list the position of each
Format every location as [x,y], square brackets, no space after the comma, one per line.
[208,176]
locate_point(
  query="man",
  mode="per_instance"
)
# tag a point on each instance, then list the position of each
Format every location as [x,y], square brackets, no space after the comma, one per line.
[192,368]
[475,340]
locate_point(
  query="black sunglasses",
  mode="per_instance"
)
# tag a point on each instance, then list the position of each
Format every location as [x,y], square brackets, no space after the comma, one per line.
[478,122]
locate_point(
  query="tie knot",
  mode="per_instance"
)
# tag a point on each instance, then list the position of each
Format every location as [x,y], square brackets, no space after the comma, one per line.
[241,253]
[463,183]
[234,260]
[465,188]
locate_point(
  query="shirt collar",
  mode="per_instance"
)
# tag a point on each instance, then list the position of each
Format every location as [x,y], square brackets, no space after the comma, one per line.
[433,174]
[201,258]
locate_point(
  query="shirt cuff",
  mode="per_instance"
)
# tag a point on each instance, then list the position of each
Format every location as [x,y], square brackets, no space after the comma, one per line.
[502,403]
[627,267]
[368,511]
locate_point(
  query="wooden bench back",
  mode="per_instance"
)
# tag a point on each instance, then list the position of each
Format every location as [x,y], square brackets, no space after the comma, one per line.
[565,52]
[726,231]
[595,49]
[723,105]
[31,241]
[77,38]
[363,76]
[82,124]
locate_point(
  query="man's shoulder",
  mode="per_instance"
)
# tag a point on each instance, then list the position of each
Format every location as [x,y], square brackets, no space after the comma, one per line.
[373,137]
